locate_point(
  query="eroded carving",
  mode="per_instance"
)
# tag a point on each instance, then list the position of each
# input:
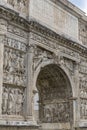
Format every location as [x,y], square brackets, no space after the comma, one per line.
[14,68]
[17,31]
[43,40]
[12,101]
[20,5]
[83,86]
[83,95]
[41,55]
[54,113]
[83,108]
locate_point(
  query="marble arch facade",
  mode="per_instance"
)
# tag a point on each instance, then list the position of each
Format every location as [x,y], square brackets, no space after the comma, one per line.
[38,38]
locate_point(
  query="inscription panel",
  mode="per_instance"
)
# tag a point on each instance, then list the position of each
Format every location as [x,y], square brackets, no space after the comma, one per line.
[53,16]
[16,44]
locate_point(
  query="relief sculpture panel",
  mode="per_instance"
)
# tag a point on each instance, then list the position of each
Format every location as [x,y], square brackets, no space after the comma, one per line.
[83,95]
[14,68]
[20,5]
[41,55]
[56,113]
[12,100]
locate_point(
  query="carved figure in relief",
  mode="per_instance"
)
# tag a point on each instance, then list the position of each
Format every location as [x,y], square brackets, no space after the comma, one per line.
[11,2]
[48,115]
[40,56]
[81,93]
[6,60]
[14,69]
[10,57]
[17,80]
[56,113]
[21,64]
[19,102]
[83,109]
[3,26]
[5,101]
[11,102]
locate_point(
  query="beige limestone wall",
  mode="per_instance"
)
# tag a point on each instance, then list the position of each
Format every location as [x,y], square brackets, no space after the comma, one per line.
[54,17]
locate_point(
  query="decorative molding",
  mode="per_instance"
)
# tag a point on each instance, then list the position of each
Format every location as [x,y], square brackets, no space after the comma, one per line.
[34,26]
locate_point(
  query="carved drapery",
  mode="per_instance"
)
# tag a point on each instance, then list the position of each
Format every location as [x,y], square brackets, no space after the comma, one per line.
[14,69]
[14,73]
[12,101]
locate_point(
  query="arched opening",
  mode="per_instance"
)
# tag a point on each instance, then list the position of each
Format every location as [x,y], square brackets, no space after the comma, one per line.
[55,92]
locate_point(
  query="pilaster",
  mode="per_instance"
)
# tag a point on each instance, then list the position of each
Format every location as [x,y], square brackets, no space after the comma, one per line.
[29,92]
[76,103]
[3,31]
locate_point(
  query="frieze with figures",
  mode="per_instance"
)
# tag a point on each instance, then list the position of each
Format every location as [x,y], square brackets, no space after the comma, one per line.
[12,101]
[43,40]
[56,113]
[14,67]
[17,31]
[54,45]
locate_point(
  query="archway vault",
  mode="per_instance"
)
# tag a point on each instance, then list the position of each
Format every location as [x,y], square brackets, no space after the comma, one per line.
[55,92]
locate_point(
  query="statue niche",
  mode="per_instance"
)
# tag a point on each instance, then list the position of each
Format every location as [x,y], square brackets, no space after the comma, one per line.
[54,94]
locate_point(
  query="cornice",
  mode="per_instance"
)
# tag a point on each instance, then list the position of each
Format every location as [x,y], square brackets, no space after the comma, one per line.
[35,26]
[11,15]
[32,25]
[70,7]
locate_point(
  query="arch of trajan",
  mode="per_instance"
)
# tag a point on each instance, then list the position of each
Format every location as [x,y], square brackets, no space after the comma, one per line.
[43,65]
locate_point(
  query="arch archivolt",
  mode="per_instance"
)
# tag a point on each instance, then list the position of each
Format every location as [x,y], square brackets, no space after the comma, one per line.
[64,68]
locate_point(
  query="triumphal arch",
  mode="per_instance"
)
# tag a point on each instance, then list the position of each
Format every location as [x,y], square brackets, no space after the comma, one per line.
[43,65]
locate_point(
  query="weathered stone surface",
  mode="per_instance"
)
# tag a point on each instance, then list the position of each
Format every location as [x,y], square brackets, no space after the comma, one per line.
[54,17]
[43,65]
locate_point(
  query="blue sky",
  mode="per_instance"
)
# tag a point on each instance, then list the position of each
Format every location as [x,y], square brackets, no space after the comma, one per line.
[82,4]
